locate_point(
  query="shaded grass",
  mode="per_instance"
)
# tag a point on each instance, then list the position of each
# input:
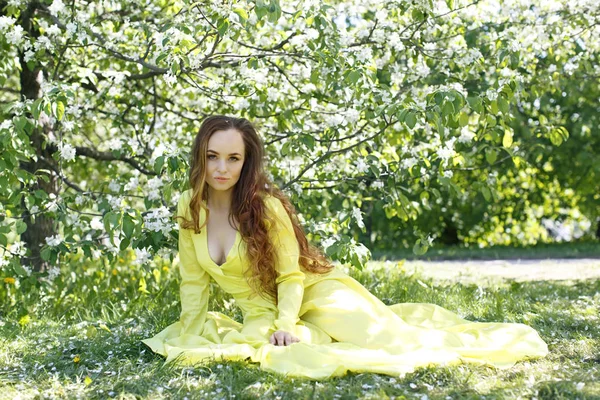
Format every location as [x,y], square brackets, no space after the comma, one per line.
[575,249]
[88,323]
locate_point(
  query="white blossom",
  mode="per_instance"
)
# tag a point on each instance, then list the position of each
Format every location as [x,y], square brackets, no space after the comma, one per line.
[54,240]
[28,56]
[53,30]
[327,242]
[159,220]
[53,272]
[68,125]
[96,224]
[491,94]
[114,186]
[15,36]
[361,166]
[57,7]
[6,22]
[155,183]
[71,29]
[408,163]
[466,136]
[67,152]
[132,184]
[6,124]
[356,213]
[115,201]
[170,79]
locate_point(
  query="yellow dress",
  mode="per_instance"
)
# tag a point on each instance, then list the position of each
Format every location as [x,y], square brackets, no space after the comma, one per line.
[341,325]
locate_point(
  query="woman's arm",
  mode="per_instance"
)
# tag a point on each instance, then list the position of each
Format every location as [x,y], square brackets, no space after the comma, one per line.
[290,280]
[194,288]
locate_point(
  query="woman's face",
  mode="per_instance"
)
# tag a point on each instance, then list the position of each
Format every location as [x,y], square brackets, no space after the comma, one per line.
[224,158]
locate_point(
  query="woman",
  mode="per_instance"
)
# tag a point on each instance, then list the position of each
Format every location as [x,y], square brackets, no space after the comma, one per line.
[302,316]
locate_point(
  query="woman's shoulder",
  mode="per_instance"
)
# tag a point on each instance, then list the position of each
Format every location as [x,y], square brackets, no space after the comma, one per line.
[184,198]
[273,204]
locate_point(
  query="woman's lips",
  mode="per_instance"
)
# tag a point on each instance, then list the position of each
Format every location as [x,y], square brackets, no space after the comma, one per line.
[222,179]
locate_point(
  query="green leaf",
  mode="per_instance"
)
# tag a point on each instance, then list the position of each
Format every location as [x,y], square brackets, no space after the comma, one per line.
[46,253]
[128,226]
[223,27]
[36,108]
[354,76]
[491,155]
[475,103]
[241,13]
[124,244]
[158,164]
[503,105]
[419,249]
[485,191]
[448,109]
[463,119]
[274,11]
[157,237]
[285,149]
[161,57]
[173,164]
[60,110]
[308,140]
[418,15]
[411,119]
[491,120]
[494,106]
[21,227]
[19,270]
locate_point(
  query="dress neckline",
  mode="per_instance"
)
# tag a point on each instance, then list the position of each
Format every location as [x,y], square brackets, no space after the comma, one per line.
[229,254]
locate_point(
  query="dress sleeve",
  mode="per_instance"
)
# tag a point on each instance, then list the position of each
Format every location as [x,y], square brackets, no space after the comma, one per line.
[194,288]
[290,279]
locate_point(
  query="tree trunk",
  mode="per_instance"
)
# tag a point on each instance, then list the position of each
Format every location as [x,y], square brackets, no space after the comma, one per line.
[39,226]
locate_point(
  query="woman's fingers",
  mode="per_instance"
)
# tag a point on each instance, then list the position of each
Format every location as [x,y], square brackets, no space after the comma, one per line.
[281,338]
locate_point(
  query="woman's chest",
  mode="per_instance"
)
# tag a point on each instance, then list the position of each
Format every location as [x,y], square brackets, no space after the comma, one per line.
[221,237]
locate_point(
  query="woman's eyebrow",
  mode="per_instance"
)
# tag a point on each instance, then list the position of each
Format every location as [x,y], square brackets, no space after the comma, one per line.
[231,154]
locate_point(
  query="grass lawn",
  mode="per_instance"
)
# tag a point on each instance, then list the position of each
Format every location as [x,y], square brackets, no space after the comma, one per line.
[78,336]
[575,249]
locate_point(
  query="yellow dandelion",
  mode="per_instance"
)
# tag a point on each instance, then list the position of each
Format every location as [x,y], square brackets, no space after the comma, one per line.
[133,278]
[165,268]
[121,259]
[9,280]
[76,359]
[114,271]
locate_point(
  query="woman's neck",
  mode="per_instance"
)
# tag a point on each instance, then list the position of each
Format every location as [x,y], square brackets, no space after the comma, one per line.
[219,201]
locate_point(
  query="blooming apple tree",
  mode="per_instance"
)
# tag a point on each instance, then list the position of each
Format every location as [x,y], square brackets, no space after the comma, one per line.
[412,111]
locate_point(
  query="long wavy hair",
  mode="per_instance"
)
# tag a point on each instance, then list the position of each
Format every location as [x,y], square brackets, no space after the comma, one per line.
[248,206]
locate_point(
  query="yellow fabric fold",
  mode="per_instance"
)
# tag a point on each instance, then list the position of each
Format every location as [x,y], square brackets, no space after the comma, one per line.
[290,279]
[341,325]
[194,288]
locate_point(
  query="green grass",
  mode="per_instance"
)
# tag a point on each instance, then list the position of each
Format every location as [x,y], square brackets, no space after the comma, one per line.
[99,314]
[577,249]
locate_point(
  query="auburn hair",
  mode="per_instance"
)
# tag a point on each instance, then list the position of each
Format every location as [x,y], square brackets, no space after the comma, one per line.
[248,206]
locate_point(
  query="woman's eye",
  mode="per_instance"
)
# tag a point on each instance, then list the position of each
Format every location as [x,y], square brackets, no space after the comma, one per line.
[231,158]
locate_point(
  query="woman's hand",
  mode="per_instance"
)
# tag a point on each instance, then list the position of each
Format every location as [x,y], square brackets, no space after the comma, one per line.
[282,338]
